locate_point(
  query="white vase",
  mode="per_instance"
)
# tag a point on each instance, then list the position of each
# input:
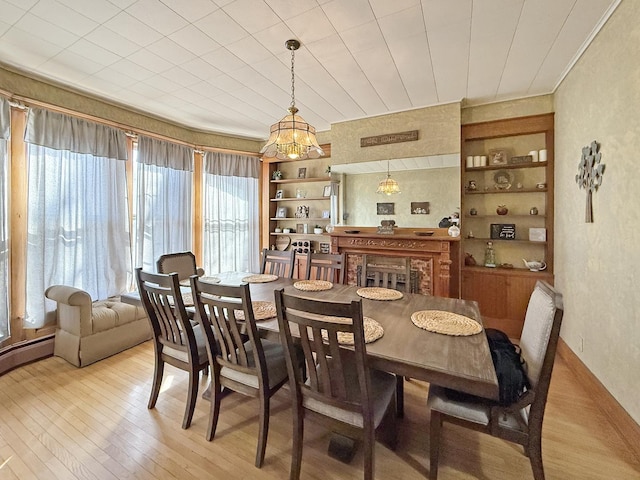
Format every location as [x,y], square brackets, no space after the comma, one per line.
[317,231]
[454,231]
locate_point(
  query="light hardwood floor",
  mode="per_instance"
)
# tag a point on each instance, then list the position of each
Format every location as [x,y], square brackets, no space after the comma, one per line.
[61,422]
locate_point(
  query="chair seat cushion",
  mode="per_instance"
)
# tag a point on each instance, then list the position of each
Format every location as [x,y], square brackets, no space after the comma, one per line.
[276,366]
[464,407]
[383,388]
[183,356]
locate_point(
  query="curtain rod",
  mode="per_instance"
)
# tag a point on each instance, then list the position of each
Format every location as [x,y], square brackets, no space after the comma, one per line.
[24,102]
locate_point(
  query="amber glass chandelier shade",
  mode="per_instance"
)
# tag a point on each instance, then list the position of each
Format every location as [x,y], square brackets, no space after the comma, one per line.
[292,138]
[388,186]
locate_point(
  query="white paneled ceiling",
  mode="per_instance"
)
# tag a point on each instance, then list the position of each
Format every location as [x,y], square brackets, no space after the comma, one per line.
[221,65]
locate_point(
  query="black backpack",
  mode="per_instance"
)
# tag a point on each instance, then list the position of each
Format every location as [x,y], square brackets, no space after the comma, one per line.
[509,365]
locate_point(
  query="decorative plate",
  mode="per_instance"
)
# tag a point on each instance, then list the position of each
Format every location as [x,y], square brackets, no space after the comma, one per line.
[313,285]
[352,231]
[423,234]
[503,180]
[377,293]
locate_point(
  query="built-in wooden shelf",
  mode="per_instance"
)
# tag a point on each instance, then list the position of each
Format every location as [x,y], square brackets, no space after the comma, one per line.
[513,190]
[298,199]
[303,180]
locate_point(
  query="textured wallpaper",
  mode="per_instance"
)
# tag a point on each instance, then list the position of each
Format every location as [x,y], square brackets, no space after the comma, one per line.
[596,263]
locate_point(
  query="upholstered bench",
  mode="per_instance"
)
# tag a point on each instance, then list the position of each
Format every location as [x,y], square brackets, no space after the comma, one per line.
[90,331]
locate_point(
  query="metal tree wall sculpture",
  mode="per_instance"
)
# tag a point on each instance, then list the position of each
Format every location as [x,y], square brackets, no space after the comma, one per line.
[589,175]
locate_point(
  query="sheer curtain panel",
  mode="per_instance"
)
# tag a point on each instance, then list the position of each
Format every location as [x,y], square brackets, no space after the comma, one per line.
[163,177]
[5,128]
[77,209]
[230,213]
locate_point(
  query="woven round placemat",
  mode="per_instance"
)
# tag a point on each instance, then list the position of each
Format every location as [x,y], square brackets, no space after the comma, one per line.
[260,278]
[377,293]
[446,323]
[372,331]
[187,300]
[313,285]
[261,310]
[187,282]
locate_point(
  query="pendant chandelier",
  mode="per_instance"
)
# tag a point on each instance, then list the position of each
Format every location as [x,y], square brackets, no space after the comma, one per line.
[388,186]
[292,138]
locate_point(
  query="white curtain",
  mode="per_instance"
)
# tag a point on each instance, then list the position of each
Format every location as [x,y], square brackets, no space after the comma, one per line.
[163,177]
[4,216]
[230,213]
[77,210]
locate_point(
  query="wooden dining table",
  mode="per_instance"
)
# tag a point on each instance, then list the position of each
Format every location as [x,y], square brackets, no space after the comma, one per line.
[459,362]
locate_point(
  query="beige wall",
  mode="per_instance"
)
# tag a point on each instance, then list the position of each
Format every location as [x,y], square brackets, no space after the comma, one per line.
[596,263]
[438,133]
[16,84]
[438,186]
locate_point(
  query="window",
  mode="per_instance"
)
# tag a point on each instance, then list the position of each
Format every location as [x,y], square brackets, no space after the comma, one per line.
[77,211]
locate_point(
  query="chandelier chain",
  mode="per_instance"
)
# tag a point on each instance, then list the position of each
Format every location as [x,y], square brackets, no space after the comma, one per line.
[293,85]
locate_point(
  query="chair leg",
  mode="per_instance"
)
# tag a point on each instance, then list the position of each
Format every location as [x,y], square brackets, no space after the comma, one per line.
[264,429]
[192,396]
[369,460]
[434,444]
[535,457]
[296,447]
[157,382]
[214,410]
[399,396]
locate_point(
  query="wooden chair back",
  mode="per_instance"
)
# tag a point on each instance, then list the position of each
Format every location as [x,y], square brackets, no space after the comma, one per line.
[338,387]
[176,340]
[520,422]
[326,266]
[226,315]
[324,359]
[385,272]
[182,263]
[162,300]
[276,262]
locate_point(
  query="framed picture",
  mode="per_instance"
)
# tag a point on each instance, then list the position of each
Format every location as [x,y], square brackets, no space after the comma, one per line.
[302,172]
[386,208]
[279,194]
[498,156]
[281,212]
[326,213]
[419,208]
[326,192]
[299,228]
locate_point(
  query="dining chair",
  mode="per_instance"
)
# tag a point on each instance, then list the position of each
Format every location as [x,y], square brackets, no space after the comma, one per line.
[340,390]
[386,272]
[176,340]
[276,262]
[240,360]
[520,422]
[183,263]
[326,266]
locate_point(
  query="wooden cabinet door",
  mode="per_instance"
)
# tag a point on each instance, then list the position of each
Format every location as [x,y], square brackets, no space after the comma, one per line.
[490,291]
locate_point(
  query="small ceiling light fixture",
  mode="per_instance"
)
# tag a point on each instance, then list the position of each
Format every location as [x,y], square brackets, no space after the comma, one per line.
[388,186]
[292,138]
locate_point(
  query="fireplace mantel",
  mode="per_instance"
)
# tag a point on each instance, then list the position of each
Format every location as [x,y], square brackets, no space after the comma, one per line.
[437,256]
